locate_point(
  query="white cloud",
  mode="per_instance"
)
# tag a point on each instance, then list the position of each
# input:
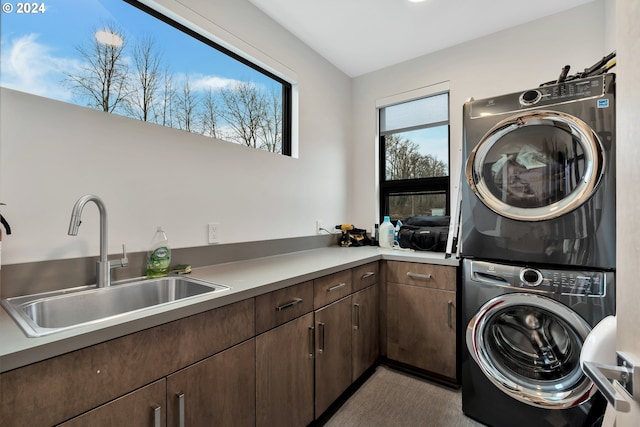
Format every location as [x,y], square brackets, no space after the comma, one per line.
[29,66]
[204,83]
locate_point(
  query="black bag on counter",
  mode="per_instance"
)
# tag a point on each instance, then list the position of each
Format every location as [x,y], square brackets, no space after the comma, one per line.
[425,233]
[354,237]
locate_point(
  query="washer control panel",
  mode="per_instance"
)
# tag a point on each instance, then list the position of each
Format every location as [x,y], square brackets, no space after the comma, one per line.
[561,282]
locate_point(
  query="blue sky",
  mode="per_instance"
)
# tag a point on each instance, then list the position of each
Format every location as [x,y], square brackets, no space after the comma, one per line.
[36,49]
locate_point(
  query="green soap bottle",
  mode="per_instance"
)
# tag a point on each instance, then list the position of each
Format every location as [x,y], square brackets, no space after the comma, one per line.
[159,255]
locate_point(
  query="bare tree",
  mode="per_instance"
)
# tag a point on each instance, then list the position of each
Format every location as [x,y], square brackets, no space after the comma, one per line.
[271,128]
[187,104]
[209,115]
[103,77]
[404,161]
[145,80]
[244,112]
[165,107]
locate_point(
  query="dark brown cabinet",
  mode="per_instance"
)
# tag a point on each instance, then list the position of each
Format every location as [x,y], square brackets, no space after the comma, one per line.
[365,334]
[143,407]
[218,391]
[285,374]
[281,358]
[90,377]
[333,352]
[421,317]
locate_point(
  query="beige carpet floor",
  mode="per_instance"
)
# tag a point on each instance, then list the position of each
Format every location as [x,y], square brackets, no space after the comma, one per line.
[393,399]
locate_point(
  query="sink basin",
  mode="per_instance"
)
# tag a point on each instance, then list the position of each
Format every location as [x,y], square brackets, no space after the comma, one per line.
[47,313]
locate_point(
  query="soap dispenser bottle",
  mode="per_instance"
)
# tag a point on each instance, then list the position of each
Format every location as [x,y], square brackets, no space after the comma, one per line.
[159,255]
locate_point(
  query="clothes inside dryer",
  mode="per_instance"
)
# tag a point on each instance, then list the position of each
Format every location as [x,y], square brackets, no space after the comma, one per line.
[539,178]
[534,168]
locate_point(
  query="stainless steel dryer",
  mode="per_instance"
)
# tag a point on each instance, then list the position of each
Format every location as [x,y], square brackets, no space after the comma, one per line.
[525,330]
[540,175]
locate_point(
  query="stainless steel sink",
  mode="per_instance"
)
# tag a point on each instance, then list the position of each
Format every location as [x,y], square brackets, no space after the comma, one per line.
[47,313]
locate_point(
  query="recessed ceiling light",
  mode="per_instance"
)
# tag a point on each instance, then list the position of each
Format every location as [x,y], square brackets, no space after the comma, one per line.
[416,1]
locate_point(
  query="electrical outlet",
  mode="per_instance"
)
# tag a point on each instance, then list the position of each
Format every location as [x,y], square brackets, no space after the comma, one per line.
[214,230]
[318,226]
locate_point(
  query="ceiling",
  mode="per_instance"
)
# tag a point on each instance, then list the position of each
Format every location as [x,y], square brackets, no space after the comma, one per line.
[360,36]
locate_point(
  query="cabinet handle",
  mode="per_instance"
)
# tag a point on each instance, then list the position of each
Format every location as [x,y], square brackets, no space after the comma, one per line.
[180,409]
[367,275]
[356,315]
[418,276]
[449,311]
[336,287]
[312,340]
[321,332]
[290,304]
[157,416]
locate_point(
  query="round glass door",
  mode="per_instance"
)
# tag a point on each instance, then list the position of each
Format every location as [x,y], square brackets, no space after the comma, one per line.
[537,166]
[529,347]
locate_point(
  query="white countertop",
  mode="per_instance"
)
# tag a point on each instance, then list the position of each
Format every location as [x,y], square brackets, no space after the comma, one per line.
[246,279]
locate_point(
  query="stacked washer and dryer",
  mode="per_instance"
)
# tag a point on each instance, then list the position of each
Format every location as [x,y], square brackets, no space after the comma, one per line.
[537,238]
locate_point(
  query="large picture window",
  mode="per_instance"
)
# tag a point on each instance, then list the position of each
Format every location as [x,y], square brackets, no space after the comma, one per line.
[124,57]
[414,157]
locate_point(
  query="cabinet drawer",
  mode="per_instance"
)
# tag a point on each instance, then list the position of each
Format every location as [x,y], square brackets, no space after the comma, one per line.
[425,275]
[278,307]
[331,288]
[365,275]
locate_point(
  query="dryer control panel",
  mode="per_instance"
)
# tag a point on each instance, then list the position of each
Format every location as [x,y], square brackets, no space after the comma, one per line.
[559,282]
[560,93]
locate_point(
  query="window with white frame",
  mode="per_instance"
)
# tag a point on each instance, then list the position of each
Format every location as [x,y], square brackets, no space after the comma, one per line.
[414,157]
[126,58]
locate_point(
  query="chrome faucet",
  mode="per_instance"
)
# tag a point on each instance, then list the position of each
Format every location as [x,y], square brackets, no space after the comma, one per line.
[104,265]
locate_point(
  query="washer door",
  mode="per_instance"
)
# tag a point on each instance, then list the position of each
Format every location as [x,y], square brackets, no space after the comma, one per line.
[529,347]
[537,166]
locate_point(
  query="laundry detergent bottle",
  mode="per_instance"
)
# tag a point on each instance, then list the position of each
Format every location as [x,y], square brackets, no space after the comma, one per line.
[386,233]
[159,255]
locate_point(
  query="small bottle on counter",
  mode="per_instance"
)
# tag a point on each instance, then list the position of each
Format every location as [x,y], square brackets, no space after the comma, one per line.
[159,255]
[385,233]
[374,235]
[396,233]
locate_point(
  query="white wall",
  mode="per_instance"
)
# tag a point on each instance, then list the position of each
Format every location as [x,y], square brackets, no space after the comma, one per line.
[51,153]
[628,208]
[508,61]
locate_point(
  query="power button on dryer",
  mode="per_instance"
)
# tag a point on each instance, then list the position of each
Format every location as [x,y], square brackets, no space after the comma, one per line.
[530,276]
[530,97]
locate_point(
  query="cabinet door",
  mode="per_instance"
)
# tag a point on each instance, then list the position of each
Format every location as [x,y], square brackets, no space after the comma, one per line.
[333,352]
[143,407]
[365,338]
[284,374]
[218,391]
[421,329]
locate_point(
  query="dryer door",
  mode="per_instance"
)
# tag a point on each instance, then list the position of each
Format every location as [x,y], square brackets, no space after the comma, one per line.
[529,347]
[536,166]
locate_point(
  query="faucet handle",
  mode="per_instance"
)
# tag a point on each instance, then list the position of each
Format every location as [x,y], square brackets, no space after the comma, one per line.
[124,261]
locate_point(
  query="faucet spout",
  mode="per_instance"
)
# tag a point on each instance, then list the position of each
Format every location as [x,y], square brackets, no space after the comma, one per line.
[103,268]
